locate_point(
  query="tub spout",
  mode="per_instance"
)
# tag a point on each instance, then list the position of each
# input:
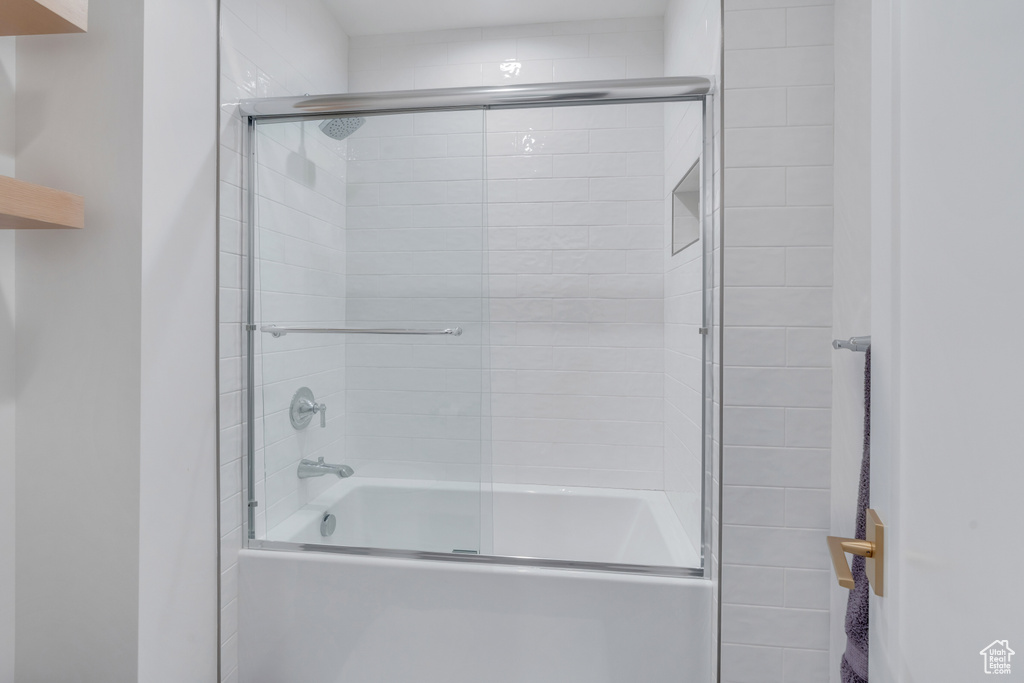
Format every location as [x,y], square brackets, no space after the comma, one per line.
[309,468]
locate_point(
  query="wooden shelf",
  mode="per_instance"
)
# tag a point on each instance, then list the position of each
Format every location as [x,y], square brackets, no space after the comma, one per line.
[27,206]
[37,17]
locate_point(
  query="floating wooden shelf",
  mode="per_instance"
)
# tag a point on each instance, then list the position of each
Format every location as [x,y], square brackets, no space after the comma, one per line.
[24,205]
[36,17]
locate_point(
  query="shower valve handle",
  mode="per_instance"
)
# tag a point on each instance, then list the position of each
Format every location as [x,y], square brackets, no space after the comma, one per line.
[303,407]
[314,407]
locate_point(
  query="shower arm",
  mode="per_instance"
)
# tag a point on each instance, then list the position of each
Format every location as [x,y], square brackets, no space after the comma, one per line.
[282,331]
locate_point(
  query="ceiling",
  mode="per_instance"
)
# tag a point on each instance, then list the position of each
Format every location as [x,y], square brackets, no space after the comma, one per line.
[373,17]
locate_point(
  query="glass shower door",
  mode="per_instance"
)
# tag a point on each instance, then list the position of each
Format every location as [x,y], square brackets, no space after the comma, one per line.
[370,297]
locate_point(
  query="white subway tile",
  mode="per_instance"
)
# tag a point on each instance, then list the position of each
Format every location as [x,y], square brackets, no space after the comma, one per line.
[755,346]
[404,56]
[779,146]
[809,267]
[810,25]
[553,47]
[755,266]
[805,666]
[755,29]
[809,347]
[778,626]
[808,588]
[809,186]
[644,66]
[754,505]
[808,427]
[636,188]
[780,387]
[478,51]
[589,165]
[810,105]
[775,67]
[751,664]
[778,226]
[745,426]
[756,107]
[769,306]
[448,76]
[589,68]
[753,585]
[511,72]
[766,466]
[755,187]
[807,508]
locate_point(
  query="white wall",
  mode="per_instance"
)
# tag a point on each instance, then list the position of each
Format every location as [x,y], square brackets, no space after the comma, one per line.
[851,294]
[78,346]
[177,471]
[115,362]
[946,245]
[7,376]
[778,319]
[282,47]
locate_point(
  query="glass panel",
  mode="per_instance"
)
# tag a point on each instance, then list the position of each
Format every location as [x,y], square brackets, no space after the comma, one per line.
[582,363]
[371,223]
[596,332]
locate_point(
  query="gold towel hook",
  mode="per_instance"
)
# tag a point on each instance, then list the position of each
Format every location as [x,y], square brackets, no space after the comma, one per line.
[873,549]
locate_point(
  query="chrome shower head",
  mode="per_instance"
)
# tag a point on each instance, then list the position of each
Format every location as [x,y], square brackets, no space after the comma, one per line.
[339,129]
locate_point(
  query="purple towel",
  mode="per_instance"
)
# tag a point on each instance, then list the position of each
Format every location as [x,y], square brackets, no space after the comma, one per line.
[854,667]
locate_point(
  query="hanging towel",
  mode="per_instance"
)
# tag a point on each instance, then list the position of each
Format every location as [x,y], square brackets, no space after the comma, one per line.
[854,667]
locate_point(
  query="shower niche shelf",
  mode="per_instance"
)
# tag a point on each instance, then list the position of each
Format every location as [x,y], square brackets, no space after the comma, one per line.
[38,17]
[27,206]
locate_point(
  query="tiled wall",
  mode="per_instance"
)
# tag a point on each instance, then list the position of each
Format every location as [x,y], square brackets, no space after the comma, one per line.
[575,214]
[503,55]
[415,405]
[778,318]
[271,48]
[575,237]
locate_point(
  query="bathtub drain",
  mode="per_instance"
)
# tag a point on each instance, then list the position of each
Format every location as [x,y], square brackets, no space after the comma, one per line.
[327,524]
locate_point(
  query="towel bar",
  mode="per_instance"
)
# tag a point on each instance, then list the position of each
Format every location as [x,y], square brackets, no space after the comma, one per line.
[282,331]
[860,344]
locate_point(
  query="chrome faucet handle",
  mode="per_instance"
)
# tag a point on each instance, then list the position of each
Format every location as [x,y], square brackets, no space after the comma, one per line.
[303,407]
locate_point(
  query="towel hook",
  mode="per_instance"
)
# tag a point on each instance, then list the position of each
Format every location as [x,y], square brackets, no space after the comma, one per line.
[872,548]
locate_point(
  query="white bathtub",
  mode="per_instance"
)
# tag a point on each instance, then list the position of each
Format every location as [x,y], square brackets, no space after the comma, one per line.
[549,522]
[311,617]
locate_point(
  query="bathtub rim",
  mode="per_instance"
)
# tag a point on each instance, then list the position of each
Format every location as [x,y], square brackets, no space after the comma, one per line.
[607,568]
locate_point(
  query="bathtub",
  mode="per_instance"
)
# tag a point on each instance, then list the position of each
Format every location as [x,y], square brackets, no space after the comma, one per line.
[543,613]
[549,522]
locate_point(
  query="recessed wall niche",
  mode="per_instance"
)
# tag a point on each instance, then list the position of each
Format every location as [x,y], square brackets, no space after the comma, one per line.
[686,210]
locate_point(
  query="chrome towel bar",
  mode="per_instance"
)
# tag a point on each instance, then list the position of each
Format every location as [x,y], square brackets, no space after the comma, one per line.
[860,344]
[281,331]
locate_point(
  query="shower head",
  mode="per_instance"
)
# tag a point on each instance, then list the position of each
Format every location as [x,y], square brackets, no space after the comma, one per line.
[339,129]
